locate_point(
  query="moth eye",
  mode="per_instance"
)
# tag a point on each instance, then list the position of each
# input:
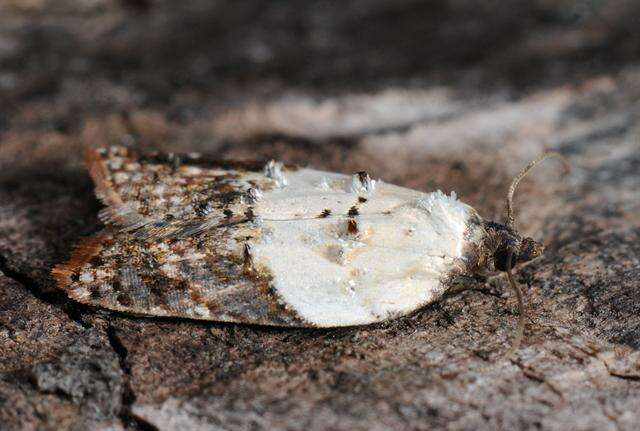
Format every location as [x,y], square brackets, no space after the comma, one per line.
[500,258]
[529,249]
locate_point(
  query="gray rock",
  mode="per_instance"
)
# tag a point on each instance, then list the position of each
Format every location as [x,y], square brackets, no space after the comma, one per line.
[335,88]
[88,373]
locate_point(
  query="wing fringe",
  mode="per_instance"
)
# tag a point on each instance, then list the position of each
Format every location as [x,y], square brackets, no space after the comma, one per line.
[117,212]
[83,252]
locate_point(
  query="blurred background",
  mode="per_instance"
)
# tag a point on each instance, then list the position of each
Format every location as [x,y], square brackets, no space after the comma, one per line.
[449,94]
[90,57]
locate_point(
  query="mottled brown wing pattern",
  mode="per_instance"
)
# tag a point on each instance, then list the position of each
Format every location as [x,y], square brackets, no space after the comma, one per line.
[161,196]
[260,243]
[208,277]
[177,240]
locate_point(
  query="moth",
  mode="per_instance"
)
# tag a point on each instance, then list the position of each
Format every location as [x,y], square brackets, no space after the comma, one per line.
[273,244]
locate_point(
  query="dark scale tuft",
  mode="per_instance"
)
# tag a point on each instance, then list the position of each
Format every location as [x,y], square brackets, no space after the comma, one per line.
[248,260]
[203,209]
[325,213]
[352,226]
[363,176]
[124,299]
[96,261]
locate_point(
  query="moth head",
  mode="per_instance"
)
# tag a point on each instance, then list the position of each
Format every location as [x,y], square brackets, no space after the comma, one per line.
[522,249]
[510,248]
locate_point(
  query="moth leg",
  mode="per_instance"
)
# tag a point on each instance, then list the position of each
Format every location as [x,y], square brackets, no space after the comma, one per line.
[464,282]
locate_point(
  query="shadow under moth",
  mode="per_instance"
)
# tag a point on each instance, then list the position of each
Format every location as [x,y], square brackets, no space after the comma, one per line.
[190,236]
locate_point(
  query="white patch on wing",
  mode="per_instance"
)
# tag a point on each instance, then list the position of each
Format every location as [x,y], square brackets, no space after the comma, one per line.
[389,262]
[310,192]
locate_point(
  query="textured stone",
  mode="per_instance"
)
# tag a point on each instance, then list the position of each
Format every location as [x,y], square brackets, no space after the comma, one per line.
[462,109]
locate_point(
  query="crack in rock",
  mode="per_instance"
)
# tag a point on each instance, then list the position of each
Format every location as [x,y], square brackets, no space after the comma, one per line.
[74,311]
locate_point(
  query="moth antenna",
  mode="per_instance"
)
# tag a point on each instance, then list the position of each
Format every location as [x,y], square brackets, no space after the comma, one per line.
[517,339]
[512,189]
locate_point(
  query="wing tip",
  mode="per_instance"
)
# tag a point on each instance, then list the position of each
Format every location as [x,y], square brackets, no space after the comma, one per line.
[116,211]
[97,170]
[82,253]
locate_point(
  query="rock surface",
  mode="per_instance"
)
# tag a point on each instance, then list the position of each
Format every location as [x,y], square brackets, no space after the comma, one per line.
[449,96]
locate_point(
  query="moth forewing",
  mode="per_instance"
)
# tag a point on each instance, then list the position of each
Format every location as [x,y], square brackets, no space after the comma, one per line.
[268,243]
[189,236]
